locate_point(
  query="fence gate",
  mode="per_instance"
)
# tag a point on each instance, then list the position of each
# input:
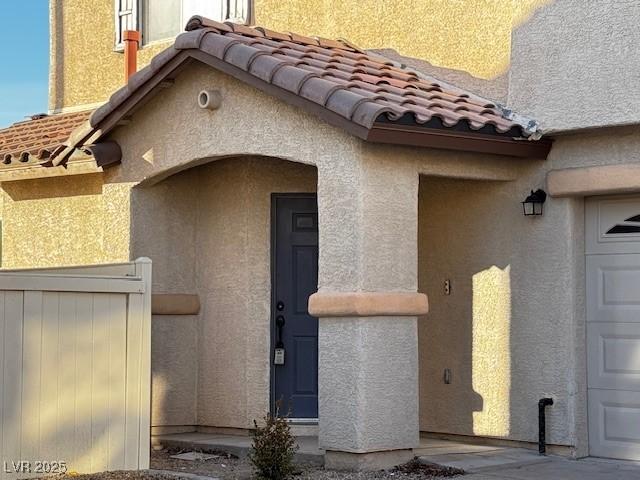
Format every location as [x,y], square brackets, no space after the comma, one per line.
[75,369]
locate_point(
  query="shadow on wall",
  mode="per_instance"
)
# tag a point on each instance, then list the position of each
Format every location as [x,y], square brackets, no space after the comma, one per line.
[51,188]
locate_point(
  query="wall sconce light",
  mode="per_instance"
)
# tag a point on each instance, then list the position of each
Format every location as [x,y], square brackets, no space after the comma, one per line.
[532,205]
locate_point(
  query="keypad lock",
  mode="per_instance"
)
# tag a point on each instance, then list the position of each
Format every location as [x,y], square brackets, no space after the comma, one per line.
[278,356]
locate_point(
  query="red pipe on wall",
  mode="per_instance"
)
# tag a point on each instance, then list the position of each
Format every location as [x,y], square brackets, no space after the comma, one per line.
[131,43]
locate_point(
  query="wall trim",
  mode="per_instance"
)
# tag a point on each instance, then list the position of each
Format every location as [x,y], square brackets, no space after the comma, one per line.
[367,304]
[175,304]
[594,180]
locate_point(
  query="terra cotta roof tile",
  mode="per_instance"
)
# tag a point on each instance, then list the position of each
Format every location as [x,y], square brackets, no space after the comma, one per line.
[39,139]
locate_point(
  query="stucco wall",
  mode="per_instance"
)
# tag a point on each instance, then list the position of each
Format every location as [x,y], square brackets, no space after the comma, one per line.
[508,329]
[174,367]
[84,67]
[64,221]
[573,64]
[609,146]
[472,37]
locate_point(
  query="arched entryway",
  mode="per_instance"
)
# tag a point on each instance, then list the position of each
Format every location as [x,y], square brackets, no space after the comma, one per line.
[209,232]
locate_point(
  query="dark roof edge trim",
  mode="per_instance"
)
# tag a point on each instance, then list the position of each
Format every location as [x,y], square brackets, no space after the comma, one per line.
[105,153]
[455,140]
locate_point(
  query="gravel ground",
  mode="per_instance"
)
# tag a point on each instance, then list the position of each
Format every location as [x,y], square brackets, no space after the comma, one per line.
[227,467]
[231,468]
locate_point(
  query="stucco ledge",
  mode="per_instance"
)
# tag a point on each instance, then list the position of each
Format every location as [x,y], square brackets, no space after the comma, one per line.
[594,180]
[174,304]
[367,304]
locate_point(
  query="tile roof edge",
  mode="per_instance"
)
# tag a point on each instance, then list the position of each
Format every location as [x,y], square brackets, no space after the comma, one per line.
[189,45]
[39,154]
[528,125]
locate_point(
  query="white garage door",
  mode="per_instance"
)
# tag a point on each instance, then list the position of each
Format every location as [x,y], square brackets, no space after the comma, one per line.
[613,326]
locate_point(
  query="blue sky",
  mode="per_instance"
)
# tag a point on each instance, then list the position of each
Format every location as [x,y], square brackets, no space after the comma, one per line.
[24,59]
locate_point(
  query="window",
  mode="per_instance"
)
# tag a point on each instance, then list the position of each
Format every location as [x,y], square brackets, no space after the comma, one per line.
[126,18]
[164,19]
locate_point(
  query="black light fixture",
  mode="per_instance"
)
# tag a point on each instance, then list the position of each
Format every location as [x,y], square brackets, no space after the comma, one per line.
[532,205]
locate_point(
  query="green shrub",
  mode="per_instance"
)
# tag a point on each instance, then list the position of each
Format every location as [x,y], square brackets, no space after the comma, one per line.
[273,448]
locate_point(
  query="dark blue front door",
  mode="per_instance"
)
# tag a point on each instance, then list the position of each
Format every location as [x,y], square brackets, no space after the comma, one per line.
[294,352]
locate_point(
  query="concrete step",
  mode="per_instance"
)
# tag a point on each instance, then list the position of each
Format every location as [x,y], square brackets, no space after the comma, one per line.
[238,445]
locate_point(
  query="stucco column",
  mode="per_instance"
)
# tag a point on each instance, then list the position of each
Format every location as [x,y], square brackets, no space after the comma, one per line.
[368,306]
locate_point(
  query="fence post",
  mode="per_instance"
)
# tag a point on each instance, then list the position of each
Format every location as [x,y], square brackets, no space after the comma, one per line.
[143,270]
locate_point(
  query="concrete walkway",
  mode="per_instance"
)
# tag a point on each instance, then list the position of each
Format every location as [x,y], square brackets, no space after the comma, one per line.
[557,468]
[475,458]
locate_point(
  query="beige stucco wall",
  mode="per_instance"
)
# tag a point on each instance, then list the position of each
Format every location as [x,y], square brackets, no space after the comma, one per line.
[509,328]
[610,146]
[64,221]
[576,66]
[472,37]
[84,66]
[174,369]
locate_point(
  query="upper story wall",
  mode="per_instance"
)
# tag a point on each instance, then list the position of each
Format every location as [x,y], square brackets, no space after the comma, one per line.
[575,64]
[467,43]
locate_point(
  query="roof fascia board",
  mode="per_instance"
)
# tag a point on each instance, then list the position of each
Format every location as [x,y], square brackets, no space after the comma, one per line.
[454,140]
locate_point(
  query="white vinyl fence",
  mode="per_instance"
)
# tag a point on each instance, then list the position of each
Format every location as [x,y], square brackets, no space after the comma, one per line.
[75,369]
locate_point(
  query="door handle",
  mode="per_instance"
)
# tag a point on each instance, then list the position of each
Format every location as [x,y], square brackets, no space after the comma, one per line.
[280,325]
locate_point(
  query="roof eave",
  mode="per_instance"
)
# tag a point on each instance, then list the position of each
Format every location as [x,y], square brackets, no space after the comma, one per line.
[461,141]
[378,133]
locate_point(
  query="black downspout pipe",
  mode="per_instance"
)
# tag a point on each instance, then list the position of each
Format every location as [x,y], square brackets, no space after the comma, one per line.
[542,445]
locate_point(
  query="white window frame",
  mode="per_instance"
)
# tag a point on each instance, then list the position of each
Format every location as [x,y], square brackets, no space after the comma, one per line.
[118,13]
[238,11]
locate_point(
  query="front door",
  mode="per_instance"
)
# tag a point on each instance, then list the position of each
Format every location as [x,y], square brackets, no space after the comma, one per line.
[294,352]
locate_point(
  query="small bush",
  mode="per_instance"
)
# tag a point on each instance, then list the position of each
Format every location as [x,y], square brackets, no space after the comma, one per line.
[273,448]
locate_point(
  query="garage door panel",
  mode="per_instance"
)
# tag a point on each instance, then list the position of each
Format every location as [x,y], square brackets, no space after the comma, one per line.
[613,225]
[613,288]
[612,246]
[614,420]
[614,356]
